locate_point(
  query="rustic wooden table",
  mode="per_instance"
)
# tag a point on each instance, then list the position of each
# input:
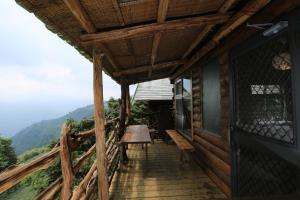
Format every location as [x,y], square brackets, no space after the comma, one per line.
[135,134]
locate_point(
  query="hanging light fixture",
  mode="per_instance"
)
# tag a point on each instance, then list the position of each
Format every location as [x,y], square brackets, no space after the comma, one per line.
[276,28]
[282,61]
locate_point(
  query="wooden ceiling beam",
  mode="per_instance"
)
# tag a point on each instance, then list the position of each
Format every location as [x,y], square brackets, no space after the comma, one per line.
[83,18]
[109,56]
[242,16]
[147,67]
[197,41]
[149,29]
[81,15]
[144,79]
[161,18]
[227,5]
[119,12]
[222,10]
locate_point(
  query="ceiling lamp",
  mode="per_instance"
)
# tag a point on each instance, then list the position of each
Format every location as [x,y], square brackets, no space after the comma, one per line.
[282,61]
[276,28]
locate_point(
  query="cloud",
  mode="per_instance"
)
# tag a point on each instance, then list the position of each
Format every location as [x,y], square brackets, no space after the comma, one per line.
[50,82]
[36,65]
[40,83]
[52,71]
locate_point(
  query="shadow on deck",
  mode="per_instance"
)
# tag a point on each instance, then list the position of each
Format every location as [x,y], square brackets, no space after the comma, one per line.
[162,176]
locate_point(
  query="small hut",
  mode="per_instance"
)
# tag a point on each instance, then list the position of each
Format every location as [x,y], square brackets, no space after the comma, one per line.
[159,96]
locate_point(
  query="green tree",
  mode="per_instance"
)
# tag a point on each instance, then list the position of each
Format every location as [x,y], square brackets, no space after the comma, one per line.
[7,154]
[140,112]
[42,179]
[113,109]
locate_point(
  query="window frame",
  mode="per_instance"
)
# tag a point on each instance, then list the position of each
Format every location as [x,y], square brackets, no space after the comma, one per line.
[186,134]
[207,64]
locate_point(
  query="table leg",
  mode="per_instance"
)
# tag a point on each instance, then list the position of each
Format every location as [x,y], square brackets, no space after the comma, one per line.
[146,149]
[121,157]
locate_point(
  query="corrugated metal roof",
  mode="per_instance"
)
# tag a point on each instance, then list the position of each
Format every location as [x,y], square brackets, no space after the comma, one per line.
[154,90]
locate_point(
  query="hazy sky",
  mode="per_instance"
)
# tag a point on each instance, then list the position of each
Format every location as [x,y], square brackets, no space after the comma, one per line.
[41,76]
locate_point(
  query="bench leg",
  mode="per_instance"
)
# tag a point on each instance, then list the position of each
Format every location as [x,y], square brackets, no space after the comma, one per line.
[181,156]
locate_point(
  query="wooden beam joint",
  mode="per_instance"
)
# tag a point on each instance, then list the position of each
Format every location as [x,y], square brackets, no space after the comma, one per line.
[80,14]
[149,29]
[242,16]
[147,67]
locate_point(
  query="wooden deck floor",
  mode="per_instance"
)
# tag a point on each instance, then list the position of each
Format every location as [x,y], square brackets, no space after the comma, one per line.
[162,176]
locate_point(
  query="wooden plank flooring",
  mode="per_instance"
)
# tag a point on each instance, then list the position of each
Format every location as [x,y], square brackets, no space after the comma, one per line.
[161,177]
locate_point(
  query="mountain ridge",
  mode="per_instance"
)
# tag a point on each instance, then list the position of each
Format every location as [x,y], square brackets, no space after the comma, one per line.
[45,131]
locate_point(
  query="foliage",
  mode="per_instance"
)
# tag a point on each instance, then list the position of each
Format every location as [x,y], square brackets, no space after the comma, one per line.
[139,112]
[7,154]
[31,154]
[7,158]
[22,193]
[113,109]
[41,180]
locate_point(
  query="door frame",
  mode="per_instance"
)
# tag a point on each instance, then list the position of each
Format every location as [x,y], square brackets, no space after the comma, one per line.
[290,151]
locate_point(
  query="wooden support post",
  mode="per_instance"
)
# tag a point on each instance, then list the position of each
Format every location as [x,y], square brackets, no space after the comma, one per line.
[66,163]
[99,127]
[123,109]
[128,102]
[123,117]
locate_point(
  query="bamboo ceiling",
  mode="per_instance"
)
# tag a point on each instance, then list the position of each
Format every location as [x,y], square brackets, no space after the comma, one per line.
[141,39]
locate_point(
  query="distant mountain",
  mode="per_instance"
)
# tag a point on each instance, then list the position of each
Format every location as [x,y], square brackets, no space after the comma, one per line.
[42,133]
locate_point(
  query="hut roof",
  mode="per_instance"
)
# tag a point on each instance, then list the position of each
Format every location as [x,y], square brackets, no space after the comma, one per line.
[142,39]
[154,90]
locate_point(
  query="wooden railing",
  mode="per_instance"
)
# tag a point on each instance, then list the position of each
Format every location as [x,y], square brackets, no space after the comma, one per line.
[68,143]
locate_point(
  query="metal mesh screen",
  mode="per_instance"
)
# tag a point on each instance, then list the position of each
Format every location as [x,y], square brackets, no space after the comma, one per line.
[263,91]
[264,109]
[261,174]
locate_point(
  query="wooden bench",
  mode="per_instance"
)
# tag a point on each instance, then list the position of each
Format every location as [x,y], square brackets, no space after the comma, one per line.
[181,142]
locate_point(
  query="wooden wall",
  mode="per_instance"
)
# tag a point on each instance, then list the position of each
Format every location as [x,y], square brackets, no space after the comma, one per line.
[212,150]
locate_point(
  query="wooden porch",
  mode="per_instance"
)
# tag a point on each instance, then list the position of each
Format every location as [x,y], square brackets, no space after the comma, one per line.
[162,176]
[137,41]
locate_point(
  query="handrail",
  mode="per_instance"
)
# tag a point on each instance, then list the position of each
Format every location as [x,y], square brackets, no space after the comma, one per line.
[17,173]
[51,191]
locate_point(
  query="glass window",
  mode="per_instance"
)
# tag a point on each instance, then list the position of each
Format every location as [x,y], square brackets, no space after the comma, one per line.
[265,89]
[178,87]
[211,97]
[183,98]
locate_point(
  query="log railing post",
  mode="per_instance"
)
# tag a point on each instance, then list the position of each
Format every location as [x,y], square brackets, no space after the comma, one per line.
[66,162]
[99,127]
